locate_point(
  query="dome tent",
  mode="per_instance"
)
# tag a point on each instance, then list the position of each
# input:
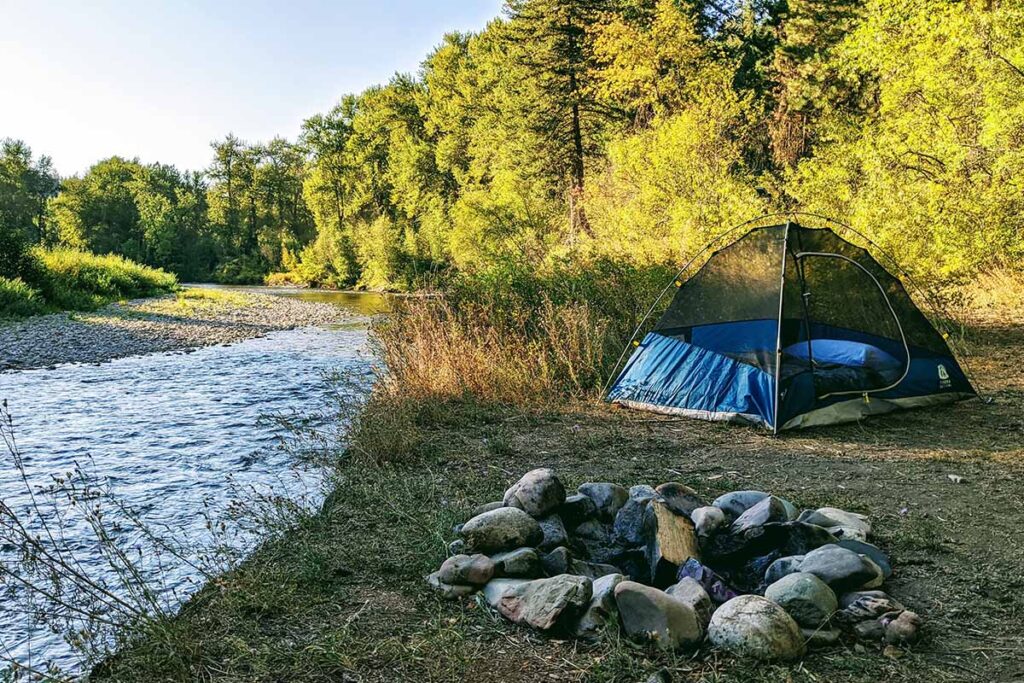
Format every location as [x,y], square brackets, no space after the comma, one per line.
[789,327]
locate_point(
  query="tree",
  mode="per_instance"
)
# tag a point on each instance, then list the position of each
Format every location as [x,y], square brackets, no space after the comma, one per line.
[26,186]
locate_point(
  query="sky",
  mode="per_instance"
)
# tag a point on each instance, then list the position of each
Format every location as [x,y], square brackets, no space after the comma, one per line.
[159,80]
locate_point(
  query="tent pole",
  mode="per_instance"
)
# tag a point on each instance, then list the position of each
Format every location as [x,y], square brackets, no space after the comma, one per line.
[778,335]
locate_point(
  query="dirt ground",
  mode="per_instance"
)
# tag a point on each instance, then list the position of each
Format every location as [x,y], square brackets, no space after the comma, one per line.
[342,598]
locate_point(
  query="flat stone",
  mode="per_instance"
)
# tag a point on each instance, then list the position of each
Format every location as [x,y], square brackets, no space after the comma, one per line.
[502,529]
[487,507]
[449,591]
[708,520]
[576,510]
[766,510]
[735,503]
[554,532]
[649,614]
[466,570]
[602,607]
[519,563]
[805,597]
[537,493]
[608,498]
[689,591]
[755,627]
[680,498]
[843,570]
[544,603]
[872,551]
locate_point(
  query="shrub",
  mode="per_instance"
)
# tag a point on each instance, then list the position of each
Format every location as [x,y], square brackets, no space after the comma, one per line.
[18,300]
[77,280]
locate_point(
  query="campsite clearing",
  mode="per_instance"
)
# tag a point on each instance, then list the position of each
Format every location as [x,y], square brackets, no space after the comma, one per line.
[342,595]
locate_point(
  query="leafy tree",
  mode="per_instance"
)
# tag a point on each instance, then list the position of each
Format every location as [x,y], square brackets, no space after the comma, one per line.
[26,185]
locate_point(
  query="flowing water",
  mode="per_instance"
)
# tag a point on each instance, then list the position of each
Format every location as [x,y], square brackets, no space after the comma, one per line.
[175,436]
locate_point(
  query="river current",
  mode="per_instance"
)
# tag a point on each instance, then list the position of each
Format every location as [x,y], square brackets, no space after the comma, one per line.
[177,437]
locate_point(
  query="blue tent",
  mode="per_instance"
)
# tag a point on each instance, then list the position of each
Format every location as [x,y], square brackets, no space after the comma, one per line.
[790,327]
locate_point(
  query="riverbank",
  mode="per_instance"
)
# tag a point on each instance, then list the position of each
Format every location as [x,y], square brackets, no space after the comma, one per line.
[190,319]
[342,596]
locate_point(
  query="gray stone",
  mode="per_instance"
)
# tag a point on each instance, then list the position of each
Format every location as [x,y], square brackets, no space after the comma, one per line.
[905,629]
[767,510]
[642,492]
[607,497]
[502,529]
[841,523]
[753,626]
[554,532]
[591,570]
[576,510]
[735,503]
[538,492]
[680,498]
[635,523]
[558,561]
[708,520]
[466,570]
[601,608]
[542,603]
[879,575]
[870,630]
[805,597]
[784,566]
[598,539]
[843,570]
[519,563]
[689,591]
[449,591]
[487,507]
[816,638]
[791,512]
[457,547]
[649,614]
[873,552]
[496,589]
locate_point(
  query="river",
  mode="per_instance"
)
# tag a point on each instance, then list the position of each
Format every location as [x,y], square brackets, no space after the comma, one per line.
[178,437]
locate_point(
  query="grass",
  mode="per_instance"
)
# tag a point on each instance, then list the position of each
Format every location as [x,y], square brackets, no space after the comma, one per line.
[342,597]
[67,279]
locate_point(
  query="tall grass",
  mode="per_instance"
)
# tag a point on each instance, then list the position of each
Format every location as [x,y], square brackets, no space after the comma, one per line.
[19,300]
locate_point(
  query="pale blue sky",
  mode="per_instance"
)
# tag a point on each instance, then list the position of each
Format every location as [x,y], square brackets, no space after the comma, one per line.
[160,79]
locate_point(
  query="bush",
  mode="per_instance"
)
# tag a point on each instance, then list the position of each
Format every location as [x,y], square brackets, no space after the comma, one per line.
[18,300]
[76,280]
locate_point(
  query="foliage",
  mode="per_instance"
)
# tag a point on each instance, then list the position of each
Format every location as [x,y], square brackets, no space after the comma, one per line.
[18,300]
[77,280]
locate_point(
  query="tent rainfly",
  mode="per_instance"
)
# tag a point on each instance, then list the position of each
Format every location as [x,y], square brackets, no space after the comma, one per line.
[790,327]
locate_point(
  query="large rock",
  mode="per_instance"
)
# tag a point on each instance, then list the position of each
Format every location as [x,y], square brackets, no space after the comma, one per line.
[680,498]
[466,570]
[767,510]
[649,614]
[558,561]
[753,626]
[872,552]
[502,529]
[539,492]
[541,603]
[788,538]
[635,522]
[843,570]
[708,520]
[784,566]
[554,532]
[689,591]
[608,498]
[601,608]
[805,597]
[673,543]
[576,510]
[735,503]
[519,563]
[449,591]
[598,539]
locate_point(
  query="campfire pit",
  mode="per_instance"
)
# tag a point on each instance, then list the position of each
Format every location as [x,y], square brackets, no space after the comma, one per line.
[748,572]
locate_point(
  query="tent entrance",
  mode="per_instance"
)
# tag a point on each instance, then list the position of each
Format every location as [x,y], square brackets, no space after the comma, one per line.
[851,339]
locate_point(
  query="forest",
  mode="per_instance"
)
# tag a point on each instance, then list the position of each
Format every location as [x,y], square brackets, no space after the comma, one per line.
[572,132]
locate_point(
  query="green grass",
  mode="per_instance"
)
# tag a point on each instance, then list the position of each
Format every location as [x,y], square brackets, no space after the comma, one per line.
[67,279]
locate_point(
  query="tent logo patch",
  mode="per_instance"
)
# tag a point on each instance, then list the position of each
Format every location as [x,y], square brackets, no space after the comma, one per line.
[944,381]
